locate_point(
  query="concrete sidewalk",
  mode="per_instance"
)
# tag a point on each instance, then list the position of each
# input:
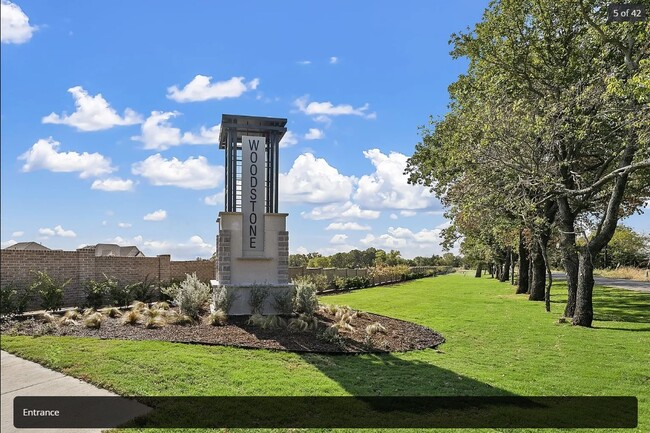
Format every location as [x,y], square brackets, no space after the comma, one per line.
[25,378]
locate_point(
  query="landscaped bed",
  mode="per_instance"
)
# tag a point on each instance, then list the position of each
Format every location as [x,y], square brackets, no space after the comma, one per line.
[390,335]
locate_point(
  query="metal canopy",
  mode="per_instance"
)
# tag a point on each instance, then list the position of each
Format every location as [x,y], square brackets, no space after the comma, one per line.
[233,128]
[250,125]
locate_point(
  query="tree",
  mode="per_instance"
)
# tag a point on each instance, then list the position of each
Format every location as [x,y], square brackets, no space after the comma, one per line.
[627,248]
[552,114]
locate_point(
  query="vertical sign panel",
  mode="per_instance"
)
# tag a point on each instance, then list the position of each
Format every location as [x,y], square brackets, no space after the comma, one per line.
[253,193]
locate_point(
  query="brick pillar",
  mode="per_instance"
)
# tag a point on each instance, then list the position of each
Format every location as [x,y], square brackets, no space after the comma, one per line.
[85,272]
[283,257]
[164,267]
[223,256]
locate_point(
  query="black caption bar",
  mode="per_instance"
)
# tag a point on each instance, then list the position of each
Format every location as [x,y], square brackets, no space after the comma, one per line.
[327,412]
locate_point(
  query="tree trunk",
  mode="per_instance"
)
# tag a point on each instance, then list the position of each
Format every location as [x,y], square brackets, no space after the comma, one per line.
[566,224]
[538,280]
[505,275]
[479,270]
[492,270]
[524,264]
[584,312]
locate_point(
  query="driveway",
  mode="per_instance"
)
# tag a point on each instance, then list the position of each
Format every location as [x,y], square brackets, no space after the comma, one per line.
[639,286]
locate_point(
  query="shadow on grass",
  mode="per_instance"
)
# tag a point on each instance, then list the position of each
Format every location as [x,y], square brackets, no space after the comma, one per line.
[618,305]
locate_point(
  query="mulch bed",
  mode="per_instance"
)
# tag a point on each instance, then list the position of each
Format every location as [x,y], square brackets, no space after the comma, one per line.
[400,336]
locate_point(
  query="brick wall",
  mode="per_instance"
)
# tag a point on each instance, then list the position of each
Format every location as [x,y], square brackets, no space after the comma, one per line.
[81,265]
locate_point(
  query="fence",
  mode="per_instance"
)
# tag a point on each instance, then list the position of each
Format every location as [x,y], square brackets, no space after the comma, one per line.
[82,265]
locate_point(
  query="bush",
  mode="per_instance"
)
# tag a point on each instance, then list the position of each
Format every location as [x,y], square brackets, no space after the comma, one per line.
[154,322]
[93,321]
[318,280]
[192,295]
[118,295]
[8,301]
[218,318]
[283,301]
[142,290]
[223,298]
[49,290]
[257,297]
[95,292]
[131,317]
[305,300]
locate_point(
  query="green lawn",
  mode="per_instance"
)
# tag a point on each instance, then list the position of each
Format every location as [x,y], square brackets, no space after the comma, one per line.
[498,343]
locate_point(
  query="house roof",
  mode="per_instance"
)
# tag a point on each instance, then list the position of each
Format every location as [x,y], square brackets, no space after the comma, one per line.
[115,250]
[32,246]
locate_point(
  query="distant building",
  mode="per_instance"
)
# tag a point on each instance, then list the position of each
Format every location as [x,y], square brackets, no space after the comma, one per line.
[114,250]
[28,246]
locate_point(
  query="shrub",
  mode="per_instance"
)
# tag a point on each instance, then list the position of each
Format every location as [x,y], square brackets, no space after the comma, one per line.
[88,311]
[162,305]
[339,283]
[192,295]
[93,321]
[72,314]
[305,300]
[175,318]
[138,305]
[131,317]
[118,294]
[318,280]
[257,297]
[47,318]
[218,318]
[14,301]
[375,328]
[67,321]
[166,287]
[283,301]
[111,312]
[95,292]
[142,290]
[298,324]
[223,298]
[154,322]
[49,290]
[151,312]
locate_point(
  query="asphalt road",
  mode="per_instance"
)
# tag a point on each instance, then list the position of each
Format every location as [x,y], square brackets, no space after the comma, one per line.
[640,286]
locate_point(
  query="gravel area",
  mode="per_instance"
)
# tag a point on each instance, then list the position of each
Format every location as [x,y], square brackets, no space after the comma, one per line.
[400,336]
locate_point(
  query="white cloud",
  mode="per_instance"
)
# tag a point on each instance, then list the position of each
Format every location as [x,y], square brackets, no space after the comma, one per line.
[46,231]
[57,231]
[288,140]
[157,132]
[158,215]
[343,211]
[424,242]
[334,60]
[200,89]
[93,113]
[383,241]
[314,134]
[388,188]
[304,62]
[407,213]
[300,250]
[194,247]
[346,226]
[329,109]
[205,136]
[124,225]
[14,24]
[215,199]
[8,243]
[18,234]
[113,184]
[393,216]
[338,239]
[193,173]
[44,155]
[313,180]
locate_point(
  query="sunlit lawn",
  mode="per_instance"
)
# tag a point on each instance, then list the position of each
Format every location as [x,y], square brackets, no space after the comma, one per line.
[498,343]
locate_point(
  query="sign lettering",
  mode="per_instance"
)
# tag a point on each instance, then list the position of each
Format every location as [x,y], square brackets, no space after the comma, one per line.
[252,199]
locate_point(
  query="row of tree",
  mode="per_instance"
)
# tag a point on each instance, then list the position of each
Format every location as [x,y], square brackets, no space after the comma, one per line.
[547,133]
[370,258]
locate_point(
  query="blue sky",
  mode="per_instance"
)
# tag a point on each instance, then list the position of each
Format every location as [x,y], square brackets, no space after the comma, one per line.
[110,112]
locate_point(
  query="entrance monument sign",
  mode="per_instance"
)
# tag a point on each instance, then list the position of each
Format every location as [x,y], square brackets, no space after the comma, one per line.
[252,241]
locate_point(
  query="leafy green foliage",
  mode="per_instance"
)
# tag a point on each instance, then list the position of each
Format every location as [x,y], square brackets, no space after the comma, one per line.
[305,300]
[141,290]
[283,301]
[223,298]
[95,292]
[258,295]
[49,290]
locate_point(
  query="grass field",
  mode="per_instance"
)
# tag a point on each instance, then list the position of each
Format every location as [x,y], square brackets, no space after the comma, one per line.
[498,343]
